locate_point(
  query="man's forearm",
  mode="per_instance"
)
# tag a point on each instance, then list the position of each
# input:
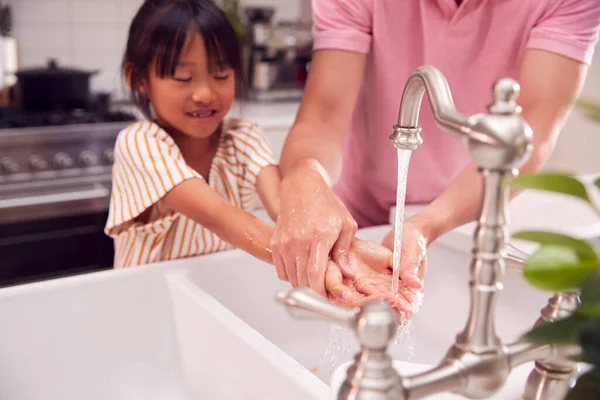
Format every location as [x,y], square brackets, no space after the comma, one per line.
[308,150]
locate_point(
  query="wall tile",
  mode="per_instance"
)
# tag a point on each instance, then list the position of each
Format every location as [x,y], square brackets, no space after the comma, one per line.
[94,11]
[95,37]
[126,10]
[44,11]
[33,57]
[46,35]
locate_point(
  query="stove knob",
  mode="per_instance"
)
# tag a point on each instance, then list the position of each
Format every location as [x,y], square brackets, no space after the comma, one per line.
[9,165]
[109,156]
[88,158]
[37,163]
[62,161]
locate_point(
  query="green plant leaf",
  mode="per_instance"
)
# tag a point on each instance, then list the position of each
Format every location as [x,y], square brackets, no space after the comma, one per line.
[597,183]
[587,386]
[563,331]
[557,268]
[552,182]
[585,249]
[590,295]
[590,109]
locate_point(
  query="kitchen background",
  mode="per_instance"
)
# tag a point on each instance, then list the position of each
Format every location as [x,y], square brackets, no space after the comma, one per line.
[55,166]
[91,34]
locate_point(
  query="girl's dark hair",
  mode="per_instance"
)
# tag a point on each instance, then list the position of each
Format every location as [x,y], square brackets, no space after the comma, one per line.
[158,33]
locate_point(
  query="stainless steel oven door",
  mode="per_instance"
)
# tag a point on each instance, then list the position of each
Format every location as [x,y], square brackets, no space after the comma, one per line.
[46,235]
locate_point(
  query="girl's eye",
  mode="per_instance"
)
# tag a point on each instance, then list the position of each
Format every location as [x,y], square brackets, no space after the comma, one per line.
[222,77]
[181,79]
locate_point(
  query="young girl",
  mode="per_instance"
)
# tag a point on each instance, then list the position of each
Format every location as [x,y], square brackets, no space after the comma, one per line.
[185,178]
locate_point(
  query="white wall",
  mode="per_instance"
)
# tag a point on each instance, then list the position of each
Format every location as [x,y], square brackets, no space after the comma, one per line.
[91,34]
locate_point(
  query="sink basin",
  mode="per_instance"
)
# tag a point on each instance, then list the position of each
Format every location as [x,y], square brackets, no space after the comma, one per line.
[209,328]
[246,287]
[145,333]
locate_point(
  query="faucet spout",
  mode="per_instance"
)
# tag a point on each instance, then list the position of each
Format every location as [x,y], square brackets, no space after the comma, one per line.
[427,79]
[497,140]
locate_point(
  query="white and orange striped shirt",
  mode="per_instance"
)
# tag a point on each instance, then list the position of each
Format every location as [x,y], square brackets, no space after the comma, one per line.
[148,164]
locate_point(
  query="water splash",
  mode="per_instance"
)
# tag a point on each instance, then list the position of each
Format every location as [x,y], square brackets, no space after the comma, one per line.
[338,349]
[342,346]
[403,161]
[403,340]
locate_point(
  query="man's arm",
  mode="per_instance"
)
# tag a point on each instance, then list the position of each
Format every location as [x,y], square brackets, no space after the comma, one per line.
[549,84]
[313,223]
[317,138]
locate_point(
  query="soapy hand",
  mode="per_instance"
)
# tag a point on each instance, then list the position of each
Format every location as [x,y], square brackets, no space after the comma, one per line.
[372,266]
[413,256]
[313,225]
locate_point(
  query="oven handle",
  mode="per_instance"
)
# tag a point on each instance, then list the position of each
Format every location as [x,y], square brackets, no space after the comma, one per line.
[93,194]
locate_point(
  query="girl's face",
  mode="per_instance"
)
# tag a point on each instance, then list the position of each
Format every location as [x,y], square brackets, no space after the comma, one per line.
[195,99]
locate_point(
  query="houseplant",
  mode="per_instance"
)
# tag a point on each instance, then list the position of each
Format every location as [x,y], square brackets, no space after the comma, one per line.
[564,263]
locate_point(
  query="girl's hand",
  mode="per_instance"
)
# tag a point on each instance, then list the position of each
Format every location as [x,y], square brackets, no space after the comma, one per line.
[413,257]
[372,264]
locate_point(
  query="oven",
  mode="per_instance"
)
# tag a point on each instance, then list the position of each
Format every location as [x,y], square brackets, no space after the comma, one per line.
[52,248]
[55,187]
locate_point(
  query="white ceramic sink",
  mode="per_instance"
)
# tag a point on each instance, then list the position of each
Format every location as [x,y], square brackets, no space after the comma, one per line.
[146,333]
[209,328]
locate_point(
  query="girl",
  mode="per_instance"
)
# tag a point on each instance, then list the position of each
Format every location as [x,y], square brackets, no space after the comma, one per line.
[185,178]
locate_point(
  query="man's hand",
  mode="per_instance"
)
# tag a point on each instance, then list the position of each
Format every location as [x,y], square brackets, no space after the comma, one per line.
[313,224]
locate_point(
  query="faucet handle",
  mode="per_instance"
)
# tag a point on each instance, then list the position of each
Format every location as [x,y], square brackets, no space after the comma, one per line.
[374,323]
[505,94]
[304,303]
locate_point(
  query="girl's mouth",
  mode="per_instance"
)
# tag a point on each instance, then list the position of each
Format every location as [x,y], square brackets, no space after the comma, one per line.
[202,115]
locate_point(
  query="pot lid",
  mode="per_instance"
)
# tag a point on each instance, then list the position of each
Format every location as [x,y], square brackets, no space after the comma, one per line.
[52,69]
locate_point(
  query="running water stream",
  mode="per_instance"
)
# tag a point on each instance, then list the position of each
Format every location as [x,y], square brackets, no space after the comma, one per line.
[403,161]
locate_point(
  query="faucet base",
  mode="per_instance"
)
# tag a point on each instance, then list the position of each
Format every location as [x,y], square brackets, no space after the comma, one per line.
[372,377]
[546,384]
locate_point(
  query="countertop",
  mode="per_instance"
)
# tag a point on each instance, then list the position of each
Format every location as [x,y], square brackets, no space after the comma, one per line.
[267,114]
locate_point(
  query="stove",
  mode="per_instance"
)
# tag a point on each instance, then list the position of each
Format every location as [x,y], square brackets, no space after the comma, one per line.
[18,118]
[55,184]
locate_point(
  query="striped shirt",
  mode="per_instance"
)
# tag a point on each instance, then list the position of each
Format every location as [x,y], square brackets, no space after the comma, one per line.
[148,164]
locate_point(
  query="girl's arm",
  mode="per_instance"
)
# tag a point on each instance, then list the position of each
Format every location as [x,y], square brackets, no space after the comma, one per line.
[230,223]
[252,235]
[267,186]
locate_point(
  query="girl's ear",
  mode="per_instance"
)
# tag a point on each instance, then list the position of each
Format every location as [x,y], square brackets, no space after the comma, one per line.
[128,72]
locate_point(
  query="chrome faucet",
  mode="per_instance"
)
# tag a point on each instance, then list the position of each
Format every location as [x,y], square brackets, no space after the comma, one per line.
[478,364]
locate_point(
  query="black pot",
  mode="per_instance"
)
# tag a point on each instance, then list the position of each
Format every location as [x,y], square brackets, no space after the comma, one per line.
[54,88]
[258,15]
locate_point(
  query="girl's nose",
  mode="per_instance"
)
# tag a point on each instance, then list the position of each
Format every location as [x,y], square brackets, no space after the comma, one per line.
[203,94]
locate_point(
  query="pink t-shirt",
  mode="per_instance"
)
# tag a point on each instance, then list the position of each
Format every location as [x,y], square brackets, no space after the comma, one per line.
[473,45]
